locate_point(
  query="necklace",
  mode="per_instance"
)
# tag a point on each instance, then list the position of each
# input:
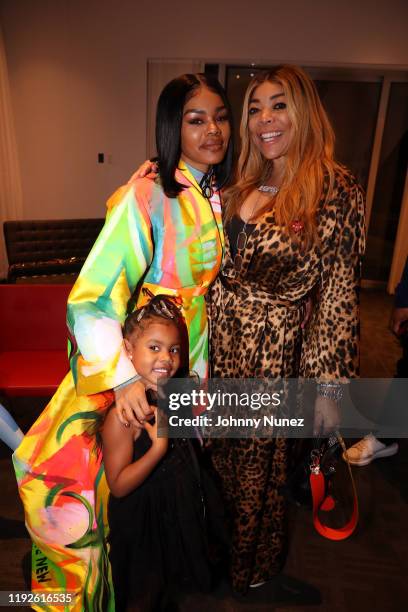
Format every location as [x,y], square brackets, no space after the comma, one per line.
[207,183]
[242,238]
[297,224]
[272,189]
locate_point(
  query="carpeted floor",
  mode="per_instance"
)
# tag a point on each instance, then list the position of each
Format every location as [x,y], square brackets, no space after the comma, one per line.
[368,572]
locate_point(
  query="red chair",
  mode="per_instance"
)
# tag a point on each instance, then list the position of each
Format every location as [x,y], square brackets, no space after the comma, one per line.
[33,339]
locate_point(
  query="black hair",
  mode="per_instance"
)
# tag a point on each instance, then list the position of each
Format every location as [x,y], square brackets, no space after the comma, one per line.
[161,307]
[169,117]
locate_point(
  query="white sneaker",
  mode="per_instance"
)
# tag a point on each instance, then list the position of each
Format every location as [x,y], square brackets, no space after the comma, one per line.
[369,448]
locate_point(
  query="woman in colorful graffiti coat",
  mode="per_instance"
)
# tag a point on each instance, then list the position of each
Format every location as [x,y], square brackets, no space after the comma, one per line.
[294,225]
[164,235]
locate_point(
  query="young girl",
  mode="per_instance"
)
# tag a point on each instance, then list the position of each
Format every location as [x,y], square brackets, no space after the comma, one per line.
[156,510]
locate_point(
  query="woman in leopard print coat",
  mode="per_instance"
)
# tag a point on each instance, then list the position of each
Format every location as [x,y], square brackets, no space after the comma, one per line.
[303,235]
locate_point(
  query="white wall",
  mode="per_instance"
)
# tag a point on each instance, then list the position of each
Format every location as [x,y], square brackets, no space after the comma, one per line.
[77,72]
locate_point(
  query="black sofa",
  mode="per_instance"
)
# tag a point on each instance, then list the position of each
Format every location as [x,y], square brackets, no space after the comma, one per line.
[48,247]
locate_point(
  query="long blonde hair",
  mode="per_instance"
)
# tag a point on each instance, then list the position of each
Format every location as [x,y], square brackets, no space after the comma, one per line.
[309,160]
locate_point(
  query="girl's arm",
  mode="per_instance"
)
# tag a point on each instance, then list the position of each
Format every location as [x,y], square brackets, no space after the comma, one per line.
[122,473]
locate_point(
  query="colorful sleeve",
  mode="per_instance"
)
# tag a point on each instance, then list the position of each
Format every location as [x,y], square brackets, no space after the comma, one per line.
[331,345]
[97,304]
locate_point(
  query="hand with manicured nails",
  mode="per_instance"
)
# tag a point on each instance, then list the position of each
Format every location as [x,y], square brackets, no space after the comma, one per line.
[326,417]
[148,167]
[132,406]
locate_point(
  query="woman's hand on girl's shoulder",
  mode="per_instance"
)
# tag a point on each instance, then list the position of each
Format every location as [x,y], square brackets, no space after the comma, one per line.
[132,407]
[148,167]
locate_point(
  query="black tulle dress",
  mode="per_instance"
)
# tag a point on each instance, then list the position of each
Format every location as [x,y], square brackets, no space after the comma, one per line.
[159,533]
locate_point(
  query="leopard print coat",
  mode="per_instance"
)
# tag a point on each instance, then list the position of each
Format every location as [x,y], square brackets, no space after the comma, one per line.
[255,331]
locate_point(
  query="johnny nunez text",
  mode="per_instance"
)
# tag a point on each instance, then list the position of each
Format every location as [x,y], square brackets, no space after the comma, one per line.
[203,420]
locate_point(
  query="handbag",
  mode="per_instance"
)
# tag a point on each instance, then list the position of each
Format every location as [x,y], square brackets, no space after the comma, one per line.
[323,482]
[334,494]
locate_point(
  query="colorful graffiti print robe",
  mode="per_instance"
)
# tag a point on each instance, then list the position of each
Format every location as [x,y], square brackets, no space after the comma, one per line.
[172,246]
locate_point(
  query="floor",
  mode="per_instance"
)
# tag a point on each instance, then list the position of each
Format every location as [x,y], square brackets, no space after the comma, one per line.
[367,572]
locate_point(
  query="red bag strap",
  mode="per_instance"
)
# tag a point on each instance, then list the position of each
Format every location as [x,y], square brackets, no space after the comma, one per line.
[317,484]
